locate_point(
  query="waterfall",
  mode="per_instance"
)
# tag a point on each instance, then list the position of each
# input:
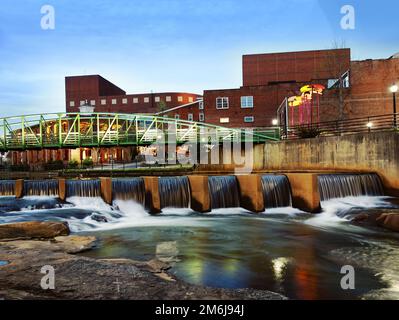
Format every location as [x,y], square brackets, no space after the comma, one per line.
[345,185]
[83,188]
[129,189]
[276,191]
[224,192]
[7,187]
[174,192]
[41,188]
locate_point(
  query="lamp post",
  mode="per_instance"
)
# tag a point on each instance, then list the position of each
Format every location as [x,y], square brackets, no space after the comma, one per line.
[394,89]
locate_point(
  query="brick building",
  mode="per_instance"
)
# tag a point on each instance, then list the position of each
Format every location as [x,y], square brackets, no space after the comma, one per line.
[353,89]
[107,97]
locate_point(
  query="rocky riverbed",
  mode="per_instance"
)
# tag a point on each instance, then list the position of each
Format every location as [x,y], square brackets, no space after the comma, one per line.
[26,247]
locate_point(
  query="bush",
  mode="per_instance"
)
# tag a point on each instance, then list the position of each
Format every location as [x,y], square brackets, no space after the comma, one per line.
[54,165]
[305,132]
[87,163]
[73,164]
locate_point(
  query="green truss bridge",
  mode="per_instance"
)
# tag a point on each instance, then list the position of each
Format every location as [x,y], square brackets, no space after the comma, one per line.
[73,130]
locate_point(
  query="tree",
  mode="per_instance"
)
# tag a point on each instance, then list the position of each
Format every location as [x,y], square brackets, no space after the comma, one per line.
[161,106]
[338,71]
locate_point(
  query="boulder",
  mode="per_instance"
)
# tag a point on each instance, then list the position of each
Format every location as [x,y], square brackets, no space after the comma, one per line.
[33,230]
[389,221]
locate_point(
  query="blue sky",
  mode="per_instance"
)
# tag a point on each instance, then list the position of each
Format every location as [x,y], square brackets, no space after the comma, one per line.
[169,45]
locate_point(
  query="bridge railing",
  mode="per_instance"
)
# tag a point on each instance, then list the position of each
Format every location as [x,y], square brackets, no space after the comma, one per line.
[386,122]
[71,130]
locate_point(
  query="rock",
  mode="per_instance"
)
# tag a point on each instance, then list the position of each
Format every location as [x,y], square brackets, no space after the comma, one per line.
[75,244]
[33,230]
[360,217]
[99,218]
[389,221]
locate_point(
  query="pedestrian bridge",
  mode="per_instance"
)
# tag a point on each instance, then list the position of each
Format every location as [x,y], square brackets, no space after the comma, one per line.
[73,130]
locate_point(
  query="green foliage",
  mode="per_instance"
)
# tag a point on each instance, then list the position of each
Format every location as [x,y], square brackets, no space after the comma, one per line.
[162,106]
[87,163]
[73,164]
[305,132]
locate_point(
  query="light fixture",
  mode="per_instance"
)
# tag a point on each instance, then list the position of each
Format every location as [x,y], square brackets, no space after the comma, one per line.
[274,122]
[394,88]
[369,124]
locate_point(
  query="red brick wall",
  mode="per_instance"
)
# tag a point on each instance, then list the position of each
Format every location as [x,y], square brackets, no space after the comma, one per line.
[96,88]
[306,66]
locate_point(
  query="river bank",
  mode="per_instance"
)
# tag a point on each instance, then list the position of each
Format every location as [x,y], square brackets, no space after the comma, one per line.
[78,277]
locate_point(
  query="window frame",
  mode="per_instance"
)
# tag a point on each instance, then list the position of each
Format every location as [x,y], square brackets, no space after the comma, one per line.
[224,101]
[225,118]
[253,119]
[245,105]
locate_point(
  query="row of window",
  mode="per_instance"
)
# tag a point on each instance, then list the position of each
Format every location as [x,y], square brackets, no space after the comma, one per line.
[247,119]
[135,100]
[246,102]
[190,117]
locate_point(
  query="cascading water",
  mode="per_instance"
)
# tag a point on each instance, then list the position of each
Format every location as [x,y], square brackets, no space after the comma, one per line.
[41,188]
[7,187]
[224,192]
[174,192]
[345,185]
[83,188]
[276,191]
[129,189]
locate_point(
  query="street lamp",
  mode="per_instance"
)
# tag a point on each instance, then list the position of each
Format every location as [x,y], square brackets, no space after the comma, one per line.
[274,122]
[394,89]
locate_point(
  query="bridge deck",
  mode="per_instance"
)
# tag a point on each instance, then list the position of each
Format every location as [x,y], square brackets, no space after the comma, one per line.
[73,130]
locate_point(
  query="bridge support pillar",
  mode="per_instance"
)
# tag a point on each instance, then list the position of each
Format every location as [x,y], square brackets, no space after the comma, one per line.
[305,191]
[251,194]
[19,188]
[152,197]
[200,198]
[106,189]
[62,189]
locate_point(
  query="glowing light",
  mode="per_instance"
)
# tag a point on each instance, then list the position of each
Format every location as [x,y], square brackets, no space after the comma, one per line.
[275,122]
[394,88]
[369,124]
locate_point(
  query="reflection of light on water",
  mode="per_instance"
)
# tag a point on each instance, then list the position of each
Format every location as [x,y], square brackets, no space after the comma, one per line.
[167,251]
[230,266]
[279,266]
[195,269]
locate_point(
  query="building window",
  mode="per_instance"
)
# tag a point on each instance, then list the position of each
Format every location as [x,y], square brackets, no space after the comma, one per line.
[146,100]
[113,101]
[135,100]
[190,99]
[201,117]
[157,99]
[201,105]
[124,100]
[71,103]
[222,103]
[82,102]
[168,98]
[180,98]
[103,102]
[93,102]
[249,119]
[190,117]
[247,102]
[224,120]
[177,117]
